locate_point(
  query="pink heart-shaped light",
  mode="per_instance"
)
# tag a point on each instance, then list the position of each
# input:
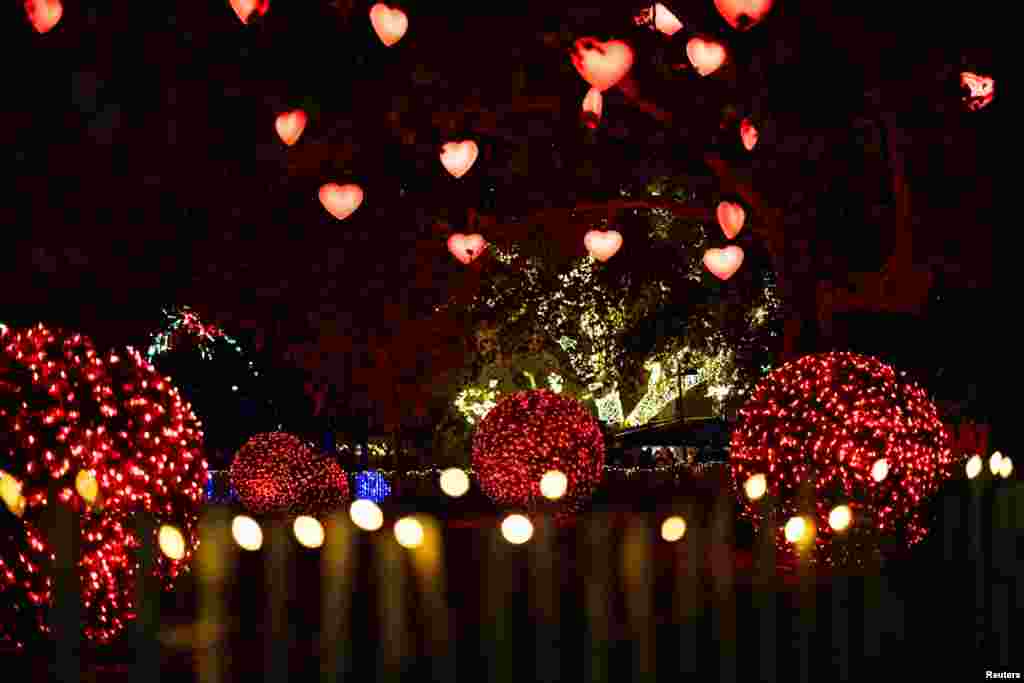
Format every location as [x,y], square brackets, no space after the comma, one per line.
[748,133]
[341,200]
[389,24]
[723,262]
[290,126]
[731,217]
[466,247]
[664,20]
[593,103]
[602,244]
[743,14]
[705,55]
[602,65]
[458,157]
[43,14]
[980,90]
[245,8]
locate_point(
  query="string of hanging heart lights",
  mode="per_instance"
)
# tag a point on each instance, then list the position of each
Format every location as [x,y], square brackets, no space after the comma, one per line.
[842,429]
[115,438]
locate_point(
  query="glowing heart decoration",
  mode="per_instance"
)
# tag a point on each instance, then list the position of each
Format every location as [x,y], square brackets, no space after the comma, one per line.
[290,126]
[466,248]
[43,14]
[664,20]
[743,14]
[341,200]
[602,65]
[389,24]
[602,244]
[979,90]
[245,8]
[705,55]
[459,157]
[723,262]
[748,134]
[731,217]
[593,102]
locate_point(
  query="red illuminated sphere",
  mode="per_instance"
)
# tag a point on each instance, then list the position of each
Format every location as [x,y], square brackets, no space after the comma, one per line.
[64,409]
[529,433]
[820,424]
[278,472]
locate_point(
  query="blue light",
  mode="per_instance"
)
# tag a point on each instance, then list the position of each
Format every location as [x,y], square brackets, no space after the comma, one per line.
[371,485]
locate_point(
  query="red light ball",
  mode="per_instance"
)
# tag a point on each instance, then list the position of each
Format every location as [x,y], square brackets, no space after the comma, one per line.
[816,427]
[529,433]
[278,472]
[64,409]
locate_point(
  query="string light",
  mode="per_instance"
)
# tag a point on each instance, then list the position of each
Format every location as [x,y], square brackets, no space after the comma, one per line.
[530,433]
[372,485]
[843,428]
[276,472]
[108,427]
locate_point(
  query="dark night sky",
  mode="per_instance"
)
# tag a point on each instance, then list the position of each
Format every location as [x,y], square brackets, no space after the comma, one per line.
[146,170]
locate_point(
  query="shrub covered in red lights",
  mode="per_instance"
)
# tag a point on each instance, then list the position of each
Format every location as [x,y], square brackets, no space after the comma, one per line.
[529,433]
[819,429]
[66,409]
[278,472]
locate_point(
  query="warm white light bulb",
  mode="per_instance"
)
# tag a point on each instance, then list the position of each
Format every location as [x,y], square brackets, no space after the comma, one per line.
[171,542]
[247,533]
[553,485]
[995,462]
[796,529]
[454,482]
[366,515]
[880,470]
[409,532]
[973,466]
[309,532]
[673,528]
[756,486]
[1006,467]
[840,517]
[517,529]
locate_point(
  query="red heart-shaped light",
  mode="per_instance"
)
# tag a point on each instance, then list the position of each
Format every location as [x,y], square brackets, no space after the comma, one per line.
[664,20]
[731,217]
[341,200]
[244,8]
[602,244]
[43,14]
[705,55]
[593,102]
[723,262]
[742,14]
[980,90]
[748,133]
[458,157]
[602,65]
[389,24]
[290,126]
[466,247]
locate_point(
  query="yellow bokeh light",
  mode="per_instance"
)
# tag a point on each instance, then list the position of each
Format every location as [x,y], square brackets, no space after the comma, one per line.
[974,466]
[86,485]
[840,517]
[366,515]
[755,487]
[171,542]
[553,485]
[308,531]
[995,462]
[1006,468]
[454,482]
[10,493]
[247,533]
[409,532]
[796,530]
[880,470]
[673,528]
[517,529]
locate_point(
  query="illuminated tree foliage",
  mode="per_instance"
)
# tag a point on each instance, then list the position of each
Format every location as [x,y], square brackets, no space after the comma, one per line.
[107,436]
[622,335]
